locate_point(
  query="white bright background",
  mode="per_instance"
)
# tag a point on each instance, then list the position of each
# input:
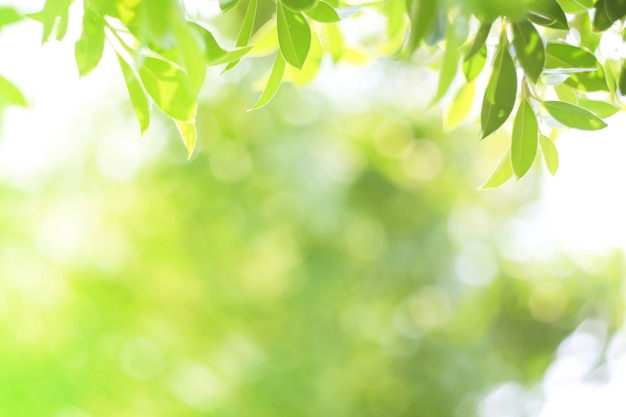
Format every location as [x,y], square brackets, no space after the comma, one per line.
[582,209]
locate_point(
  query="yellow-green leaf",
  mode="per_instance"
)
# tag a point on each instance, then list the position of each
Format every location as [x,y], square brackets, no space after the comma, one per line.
[460,106]
[273,83]
[10,95]
[422,15]
[323,12]
[188,133]
[568,57]
[474,66]
[450,63]
[479,40]
[89,48]
[246,30]
[294,36]
[501,174]
[500,93]
[574,116]
[138,96]
[169,87]
[524,139]
[550,154]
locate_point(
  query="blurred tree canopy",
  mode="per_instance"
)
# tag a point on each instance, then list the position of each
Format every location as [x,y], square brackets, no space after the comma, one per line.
[304,263]
[547,65]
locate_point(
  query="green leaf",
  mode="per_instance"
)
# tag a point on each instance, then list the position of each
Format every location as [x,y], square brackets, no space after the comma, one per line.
[566,93]
[333,41]
[10,94]
[479,40]
[474,66]
[501,174]
[189,135]
[569,57]
[500,93]
[422,15]
[621,81]
[529,49]
[550,154]
[450,63]
[138,96]
[615,9]
[8,16]
[575,6]
[273,83]
[90,45]
[246,30]
[573,116]
[190,46]
[298,5]
[601,19]
[214,54]
[460,106]
[323,12]
[169,87]
[524,139]
[547,13]
[226,5]
[294,36]
[599,108]
[54,13]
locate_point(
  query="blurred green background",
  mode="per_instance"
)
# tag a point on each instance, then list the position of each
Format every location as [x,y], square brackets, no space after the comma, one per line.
[312,259]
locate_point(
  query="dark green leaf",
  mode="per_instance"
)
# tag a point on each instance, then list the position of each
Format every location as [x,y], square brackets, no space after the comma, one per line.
[169,88]
[615,9]
[501,174]
[550,154]
[89,48]
[294,36]
[138,96]
[474,66]
[246,30]
[273,83]
[479,40]
[547,13]
[323,12]
[601,19]
[10,95]
[529,49]
[524,139]
[565,56]
[500,93]
[422,15]
[574,116]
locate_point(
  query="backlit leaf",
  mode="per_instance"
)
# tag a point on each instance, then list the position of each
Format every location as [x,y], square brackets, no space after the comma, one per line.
[479,40]
[460,106]
[188,133]
[422,15]
[565,56]
[574,116]
[524,139]
[473,67]
[501,174]
[89,48]
[10,94]
[273,83]
[601,109]
[138,96]
[294,36]
[323,12]
[246,30]
[550,154]
[500,93]
[8,16]
[169,87]
[226,5]
[529,49]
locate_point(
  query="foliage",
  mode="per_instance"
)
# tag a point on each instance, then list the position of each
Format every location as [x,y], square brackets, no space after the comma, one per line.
[543,55]
[305,263]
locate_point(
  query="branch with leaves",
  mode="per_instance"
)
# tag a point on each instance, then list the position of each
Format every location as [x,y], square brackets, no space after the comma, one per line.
[546,70]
